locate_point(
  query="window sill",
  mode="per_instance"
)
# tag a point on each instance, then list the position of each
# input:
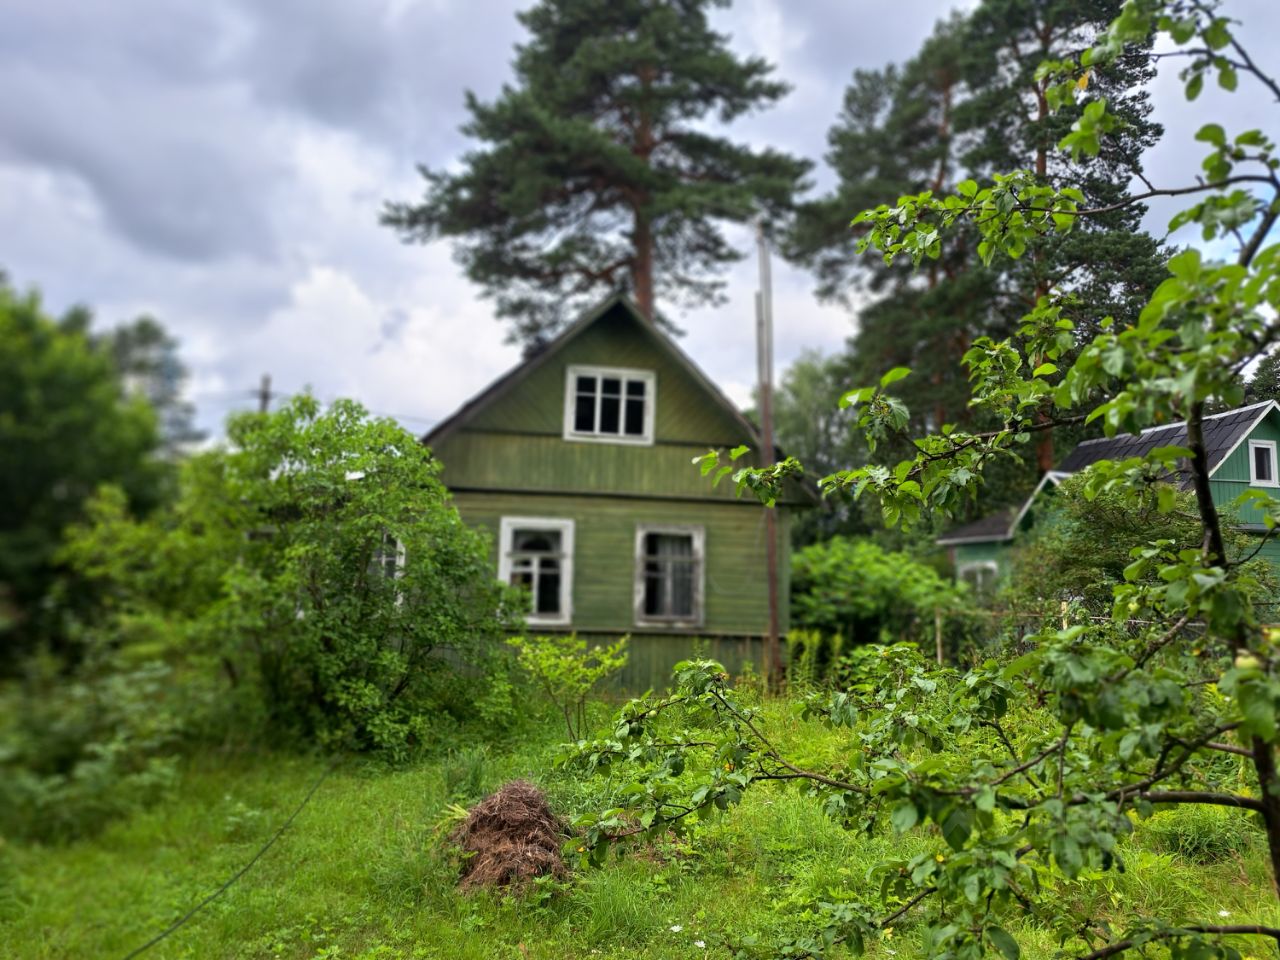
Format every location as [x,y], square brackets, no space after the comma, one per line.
[606,438]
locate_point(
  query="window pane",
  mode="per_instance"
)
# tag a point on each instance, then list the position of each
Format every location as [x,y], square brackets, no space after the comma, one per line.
[1262,463]
[681,590]
[635,417]
[653,605]
[547,596]
[536,541]
[584,413]
[611,387]
[669,544]
[586,384]
[609,414]
[635,388]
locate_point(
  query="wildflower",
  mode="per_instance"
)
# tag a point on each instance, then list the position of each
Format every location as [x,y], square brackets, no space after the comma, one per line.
[700,944]
[1224,913]
[676,928]
[940,858]
[887,933]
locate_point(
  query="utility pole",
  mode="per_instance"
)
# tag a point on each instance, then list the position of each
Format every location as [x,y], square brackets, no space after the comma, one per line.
[764,359]
[264,393]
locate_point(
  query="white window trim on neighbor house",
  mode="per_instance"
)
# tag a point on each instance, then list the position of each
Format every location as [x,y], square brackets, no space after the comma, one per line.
[506,532]
[699,536]
[1270,447]
[647,377]
[988,565]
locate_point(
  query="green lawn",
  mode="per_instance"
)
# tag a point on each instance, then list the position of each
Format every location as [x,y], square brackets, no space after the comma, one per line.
[361,874]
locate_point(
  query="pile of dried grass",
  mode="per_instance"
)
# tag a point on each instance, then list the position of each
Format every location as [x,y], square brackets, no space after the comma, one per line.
[510,837]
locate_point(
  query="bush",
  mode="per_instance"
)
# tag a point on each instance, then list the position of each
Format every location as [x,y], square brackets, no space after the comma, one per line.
[75,754]
[566,670]
[1081,546]
[319,561]
[858,591]
[811,655]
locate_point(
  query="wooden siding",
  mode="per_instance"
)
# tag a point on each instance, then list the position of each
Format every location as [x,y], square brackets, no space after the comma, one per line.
[604,556]
[685,414]
[1232,477]
[474,460]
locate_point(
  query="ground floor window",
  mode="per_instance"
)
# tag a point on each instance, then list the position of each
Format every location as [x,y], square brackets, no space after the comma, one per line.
[981,575]
[669,575]
[536,553]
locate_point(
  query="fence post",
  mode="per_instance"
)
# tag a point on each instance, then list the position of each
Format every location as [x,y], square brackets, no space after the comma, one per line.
[937,632]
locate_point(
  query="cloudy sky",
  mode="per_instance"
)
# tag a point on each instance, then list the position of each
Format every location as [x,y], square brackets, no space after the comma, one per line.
[220,164]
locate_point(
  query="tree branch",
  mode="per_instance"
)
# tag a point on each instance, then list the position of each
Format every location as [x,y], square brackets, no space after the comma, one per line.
[1120,946]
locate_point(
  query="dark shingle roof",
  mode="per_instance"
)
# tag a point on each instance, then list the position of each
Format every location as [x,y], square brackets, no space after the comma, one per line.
[994,526]
[1223,432]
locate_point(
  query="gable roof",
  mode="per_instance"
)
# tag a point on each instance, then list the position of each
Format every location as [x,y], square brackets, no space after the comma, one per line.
[500,387]
[1002,524]
[1223,433]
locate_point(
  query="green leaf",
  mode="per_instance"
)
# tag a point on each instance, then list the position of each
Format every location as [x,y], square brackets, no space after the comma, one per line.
[894,375]
[956,827]
[904,816]
[1001,940]
[1212,133]
[1045,369]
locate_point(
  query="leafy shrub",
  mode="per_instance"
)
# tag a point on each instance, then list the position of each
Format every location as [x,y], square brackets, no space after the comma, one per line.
[566,670]
[1081,546]
[811,655]
[320,562]
[77,753]
[856,590]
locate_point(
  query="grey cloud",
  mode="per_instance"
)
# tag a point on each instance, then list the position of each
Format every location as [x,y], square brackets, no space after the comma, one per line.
[173,159]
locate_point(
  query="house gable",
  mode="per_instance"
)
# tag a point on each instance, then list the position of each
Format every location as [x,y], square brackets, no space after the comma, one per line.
[1232,474]
[512,437]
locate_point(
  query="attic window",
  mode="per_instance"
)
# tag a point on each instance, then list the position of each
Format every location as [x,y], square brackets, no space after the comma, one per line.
[1262,463]
[609,404]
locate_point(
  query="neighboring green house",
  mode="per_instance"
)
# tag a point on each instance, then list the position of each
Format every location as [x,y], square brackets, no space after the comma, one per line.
[1241,449]
[579,463]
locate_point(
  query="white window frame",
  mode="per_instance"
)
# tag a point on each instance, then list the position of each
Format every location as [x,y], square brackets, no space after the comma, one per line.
[506,531]
[382,553]
[648,377]
[699,536]
[1270,447]
[991,565]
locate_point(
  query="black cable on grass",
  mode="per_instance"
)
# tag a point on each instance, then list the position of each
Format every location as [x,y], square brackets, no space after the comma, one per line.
[173,927]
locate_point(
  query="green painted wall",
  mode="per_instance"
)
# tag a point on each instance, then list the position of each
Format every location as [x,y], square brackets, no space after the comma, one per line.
[540,462]
[604,557]
[684,413]
[1232,477]
[510,459]
[981,552]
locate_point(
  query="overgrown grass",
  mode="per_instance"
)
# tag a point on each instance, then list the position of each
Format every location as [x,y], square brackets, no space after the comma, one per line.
[362,872]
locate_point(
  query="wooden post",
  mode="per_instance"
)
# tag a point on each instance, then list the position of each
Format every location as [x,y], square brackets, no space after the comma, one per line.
[937,632]
[764,355]
[264,393]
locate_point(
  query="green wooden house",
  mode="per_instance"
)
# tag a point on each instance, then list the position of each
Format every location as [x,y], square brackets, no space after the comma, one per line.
[578,463]
[1241,449]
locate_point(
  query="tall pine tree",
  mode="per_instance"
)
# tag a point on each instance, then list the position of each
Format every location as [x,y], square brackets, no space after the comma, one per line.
[967,105]
[596,171]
